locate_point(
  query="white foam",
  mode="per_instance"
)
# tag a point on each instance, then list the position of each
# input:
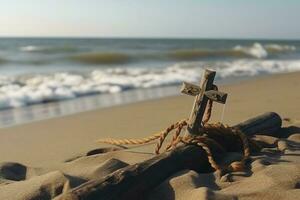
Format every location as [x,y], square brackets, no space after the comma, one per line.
[257,50]
[278,47]
[16,92]
[256,67]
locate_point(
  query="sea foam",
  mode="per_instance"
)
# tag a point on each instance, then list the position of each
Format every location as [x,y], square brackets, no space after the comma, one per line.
[277,47]
[257,50]
[21,91]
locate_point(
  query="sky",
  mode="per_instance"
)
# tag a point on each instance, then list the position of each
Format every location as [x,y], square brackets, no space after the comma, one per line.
[267,19]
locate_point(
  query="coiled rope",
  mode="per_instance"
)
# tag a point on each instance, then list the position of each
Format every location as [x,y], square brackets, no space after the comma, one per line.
[207,128]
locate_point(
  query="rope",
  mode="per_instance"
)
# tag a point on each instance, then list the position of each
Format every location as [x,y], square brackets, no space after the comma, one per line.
[199,141]
[216,128]
[176,138]
[129,141]
[219,128]
[179,125]
[209,108]
[211,160]
[142,140]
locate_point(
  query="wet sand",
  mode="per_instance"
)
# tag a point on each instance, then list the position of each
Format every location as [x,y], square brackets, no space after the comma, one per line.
[54,140]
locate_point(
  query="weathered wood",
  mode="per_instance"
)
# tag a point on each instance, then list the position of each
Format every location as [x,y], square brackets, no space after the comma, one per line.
[200,103]
[190,89]
[135,181]
[267,124]
[194,90]
[216,96]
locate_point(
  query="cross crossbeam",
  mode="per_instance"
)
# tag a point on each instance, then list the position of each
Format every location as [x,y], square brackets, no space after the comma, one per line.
[194,90]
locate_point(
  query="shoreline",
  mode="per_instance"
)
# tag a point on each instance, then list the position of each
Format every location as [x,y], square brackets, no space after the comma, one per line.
[45,111]
[52,141]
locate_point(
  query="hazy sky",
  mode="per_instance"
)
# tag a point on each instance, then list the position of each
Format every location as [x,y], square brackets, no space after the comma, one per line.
[151,18]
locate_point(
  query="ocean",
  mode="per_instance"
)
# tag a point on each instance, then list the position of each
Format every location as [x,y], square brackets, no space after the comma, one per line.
[48,77]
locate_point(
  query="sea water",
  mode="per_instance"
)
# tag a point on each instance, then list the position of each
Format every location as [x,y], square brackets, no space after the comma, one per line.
[37,75]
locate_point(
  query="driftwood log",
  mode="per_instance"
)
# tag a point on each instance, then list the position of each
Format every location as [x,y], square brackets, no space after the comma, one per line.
[135,181]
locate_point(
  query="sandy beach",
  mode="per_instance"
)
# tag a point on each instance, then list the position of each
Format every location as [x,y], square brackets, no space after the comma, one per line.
[149,100]
[44,146]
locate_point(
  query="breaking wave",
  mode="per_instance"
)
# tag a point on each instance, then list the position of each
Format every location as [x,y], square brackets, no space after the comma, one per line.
[21,91]
[279,48]
[67,53]
[257,50]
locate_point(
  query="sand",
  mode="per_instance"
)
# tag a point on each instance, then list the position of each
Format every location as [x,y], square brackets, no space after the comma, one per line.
[42,148]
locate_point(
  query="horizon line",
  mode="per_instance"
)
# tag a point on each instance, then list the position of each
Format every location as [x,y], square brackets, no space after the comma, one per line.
[143,37]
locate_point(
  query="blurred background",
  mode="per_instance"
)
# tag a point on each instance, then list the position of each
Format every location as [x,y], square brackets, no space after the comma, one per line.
[58,58]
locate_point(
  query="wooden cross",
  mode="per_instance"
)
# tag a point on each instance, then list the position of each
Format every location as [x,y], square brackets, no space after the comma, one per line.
[203,94]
